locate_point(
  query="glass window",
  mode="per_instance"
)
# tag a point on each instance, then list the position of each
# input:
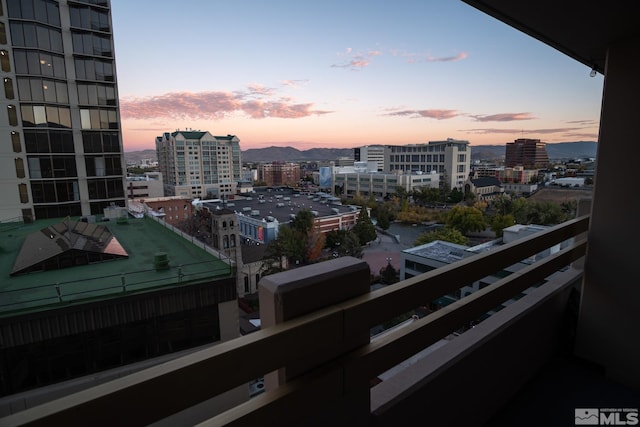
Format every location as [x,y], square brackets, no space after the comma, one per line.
[62,95]
[3,33]
[64,114]
[39,115]
[85,119]
[44,41]
[30,35]
[49,89]
[37,93]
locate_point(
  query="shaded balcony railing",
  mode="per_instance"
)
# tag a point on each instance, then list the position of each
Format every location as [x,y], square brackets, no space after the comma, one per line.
[324,357]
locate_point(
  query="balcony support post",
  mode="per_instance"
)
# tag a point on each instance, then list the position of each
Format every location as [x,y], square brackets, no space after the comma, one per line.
[293,293]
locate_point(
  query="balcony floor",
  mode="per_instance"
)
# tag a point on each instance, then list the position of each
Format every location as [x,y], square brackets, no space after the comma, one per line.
[564,384]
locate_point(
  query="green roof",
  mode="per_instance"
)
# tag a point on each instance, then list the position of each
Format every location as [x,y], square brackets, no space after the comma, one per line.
[146,242]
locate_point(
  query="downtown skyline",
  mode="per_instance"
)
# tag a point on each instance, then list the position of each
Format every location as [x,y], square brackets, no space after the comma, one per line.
[342,75]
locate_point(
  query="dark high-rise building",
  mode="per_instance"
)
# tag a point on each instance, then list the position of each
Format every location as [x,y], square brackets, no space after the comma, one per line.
[530,153]
[59,110]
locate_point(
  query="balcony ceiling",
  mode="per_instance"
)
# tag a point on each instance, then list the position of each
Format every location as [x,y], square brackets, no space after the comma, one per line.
[579,29]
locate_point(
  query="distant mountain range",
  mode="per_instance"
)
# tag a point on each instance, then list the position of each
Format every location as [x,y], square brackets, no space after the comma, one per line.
[559,150]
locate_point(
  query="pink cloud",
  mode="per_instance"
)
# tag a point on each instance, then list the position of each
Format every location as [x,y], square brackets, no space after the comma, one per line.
[215,105]
[503,117]
[458,57]
[431,114]
[358,60]
[295,83]
[520,131]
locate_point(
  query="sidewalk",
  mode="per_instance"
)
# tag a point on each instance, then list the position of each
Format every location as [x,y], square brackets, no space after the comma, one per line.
[382,251]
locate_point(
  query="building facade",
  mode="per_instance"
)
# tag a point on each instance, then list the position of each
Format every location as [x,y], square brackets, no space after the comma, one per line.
[451,159]
[529,153]
[60,114]
[279,173]
[380,185]
[148,185]
[198,164]
[370,154]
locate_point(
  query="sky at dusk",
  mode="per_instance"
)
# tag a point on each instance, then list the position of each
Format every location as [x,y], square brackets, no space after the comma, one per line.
[342,74]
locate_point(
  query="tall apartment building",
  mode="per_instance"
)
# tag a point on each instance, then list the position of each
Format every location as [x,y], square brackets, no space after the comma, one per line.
[198,164]
[370,154]
[59,110]
[530,153]
[279,173]
[450,158]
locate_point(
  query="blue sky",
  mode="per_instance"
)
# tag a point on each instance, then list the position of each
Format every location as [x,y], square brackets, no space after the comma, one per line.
[342,74]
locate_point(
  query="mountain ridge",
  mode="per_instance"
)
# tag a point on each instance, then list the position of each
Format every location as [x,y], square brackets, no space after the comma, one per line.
[558,150]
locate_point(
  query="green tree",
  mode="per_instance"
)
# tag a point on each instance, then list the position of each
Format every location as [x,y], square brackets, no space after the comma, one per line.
[343,243]
[364,228]
[300,241]
[426,195]
[383,217]
[389,275]
[500,222]
[445,234]
[456,196]
[466,219]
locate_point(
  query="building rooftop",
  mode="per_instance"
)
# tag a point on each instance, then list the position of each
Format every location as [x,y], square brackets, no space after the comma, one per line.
[147,243]
[280,204]
[440,251]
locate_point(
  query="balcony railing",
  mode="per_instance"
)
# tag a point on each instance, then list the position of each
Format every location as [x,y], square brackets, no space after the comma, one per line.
[324,357]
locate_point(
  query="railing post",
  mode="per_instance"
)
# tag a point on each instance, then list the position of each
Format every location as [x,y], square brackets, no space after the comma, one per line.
[293,293]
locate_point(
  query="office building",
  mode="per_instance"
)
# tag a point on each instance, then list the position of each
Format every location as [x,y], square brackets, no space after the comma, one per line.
[450,158]
[198,164]
[530,153]
[279,173]
[370,154]
[59,112]
[379,185]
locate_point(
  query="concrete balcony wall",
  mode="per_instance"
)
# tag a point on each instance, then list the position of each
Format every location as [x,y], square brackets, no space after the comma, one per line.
[484,367]
[325,362]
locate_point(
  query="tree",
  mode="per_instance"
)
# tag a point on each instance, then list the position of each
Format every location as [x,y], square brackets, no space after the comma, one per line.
[364,228]
[389,275]
[343,243]
[456,196]
[301,242]
[383,217]
[466,219]
[446,234]
[500,222]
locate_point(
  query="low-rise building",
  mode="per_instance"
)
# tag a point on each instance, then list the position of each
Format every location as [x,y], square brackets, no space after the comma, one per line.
[148,185]
[427,257]
[82,296]
[261,212]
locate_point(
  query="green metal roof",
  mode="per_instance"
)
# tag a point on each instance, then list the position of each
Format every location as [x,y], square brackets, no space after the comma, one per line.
[189,134]
[144,240]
